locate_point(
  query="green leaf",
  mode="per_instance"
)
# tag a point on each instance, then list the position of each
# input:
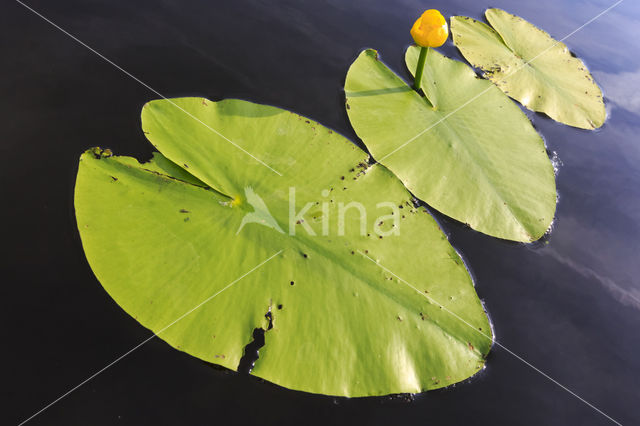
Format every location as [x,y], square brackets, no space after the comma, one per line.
[531,67]
[207,225]
[465,149]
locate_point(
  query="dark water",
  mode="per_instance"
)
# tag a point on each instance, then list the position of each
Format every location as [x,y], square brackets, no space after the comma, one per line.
[570,307]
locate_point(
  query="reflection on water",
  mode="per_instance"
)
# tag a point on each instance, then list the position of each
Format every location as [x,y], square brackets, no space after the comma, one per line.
[629,297]
[622,88]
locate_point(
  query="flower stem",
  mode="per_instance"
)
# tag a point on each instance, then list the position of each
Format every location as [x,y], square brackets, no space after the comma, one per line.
[420,68]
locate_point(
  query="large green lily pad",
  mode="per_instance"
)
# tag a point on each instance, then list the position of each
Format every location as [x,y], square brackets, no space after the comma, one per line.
[531,67]
[387,309]
[465,148]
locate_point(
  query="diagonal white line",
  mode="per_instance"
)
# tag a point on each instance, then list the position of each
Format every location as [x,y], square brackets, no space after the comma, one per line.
[115,361]
[518,357]
[489,87]
[148,87]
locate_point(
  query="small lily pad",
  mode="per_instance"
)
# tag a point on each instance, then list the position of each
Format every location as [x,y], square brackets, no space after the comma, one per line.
[200,246]
[465,149]
[531,67]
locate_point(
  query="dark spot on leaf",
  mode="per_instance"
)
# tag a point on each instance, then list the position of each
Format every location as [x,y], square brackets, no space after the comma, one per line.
[251,354]
[269,318]
[292,283]
[280,306]
[114,178]
[184,211]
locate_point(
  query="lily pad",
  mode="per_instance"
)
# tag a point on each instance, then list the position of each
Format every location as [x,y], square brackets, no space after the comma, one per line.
[531,67]
[199,246]
[465,148]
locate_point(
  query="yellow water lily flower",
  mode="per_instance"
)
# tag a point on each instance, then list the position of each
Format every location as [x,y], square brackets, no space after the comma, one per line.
[430,29]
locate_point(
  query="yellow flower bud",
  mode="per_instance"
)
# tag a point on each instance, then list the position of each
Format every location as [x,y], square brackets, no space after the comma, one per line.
[430,30]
